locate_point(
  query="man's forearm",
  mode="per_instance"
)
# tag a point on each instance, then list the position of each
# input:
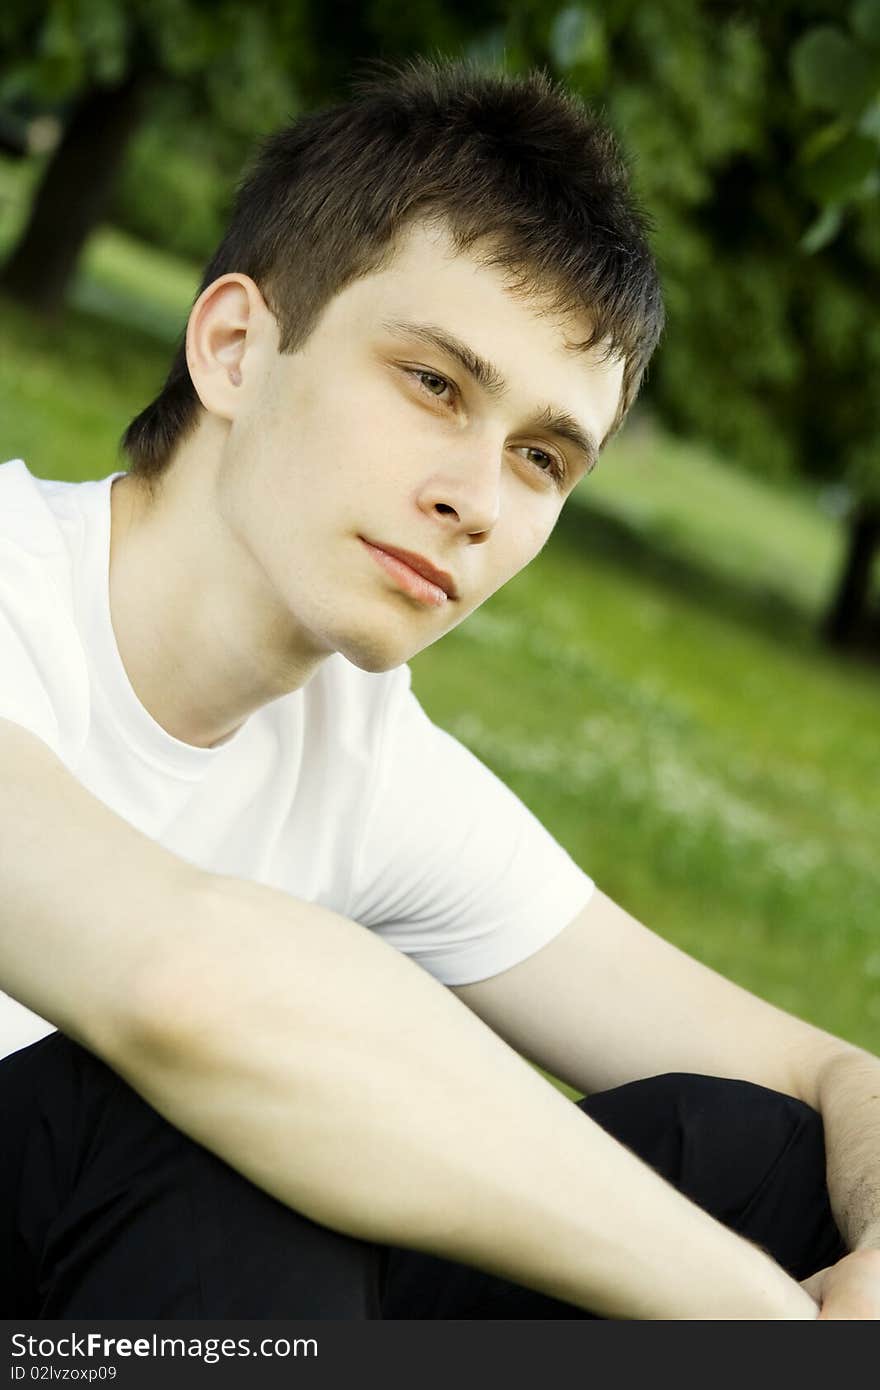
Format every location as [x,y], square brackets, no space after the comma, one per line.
[335,1074]
[848,1096]
[87,900]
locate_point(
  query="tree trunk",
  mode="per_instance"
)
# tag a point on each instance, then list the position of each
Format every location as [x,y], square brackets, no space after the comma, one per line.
[847,617]
[73,194]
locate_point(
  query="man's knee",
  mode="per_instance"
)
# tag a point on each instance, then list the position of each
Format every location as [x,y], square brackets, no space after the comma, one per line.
[753,1157]
[113,1210]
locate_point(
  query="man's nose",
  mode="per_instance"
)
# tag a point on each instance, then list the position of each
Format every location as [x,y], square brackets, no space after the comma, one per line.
[466,491]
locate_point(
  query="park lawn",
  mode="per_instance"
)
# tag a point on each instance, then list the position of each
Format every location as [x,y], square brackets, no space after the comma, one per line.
[773,543]
[650,685]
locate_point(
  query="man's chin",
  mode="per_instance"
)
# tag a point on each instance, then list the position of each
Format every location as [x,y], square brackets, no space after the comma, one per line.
[373,659]
[375,652]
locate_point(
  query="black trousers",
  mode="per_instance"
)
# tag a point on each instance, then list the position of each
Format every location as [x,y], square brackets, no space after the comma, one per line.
[108,1211]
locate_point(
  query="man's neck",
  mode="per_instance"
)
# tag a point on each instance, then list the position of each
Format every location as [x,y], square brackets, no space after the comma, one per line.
[200,634]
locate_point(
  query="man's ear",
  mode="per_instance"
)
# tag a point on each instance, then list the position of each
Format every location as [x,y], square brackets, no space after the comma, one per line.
[226,329]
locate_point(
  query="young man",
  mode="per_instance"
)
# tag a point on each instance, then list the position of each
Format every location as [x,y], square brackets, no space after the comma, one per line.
[282,919]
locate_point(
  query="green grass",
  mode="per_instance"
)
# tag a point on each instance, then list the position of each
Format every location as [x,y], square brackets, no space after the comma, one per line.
[717,782]
[68,390]
[771,542]
[651,686]
[152,292]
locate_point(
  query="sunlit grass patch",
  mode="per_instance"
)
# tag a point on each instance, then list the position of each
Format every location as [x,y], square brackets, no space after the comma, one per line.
[705,774]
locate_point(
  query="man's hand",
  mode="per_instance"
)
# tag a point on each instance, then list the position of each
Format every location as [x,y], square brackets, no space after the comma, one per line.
[849,1290]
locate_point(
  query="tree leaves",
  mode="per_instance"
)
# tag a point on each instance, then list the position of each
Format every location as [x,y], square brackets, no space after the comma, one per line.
[578,41]
[843,170]
[832,72]
[838,73]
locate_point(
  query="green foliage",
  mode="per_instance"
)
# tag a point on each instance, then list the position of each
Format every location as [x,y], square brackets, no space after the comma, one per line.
[222,72]
[841,169]
[62,46]
[579,44]
[831,71]
[236,56]
[837,73]
[179,177]
[753,133]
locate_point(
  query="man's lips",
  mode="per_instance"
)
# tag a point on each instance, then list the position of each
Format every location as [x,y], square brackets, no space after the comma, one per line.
[414,573]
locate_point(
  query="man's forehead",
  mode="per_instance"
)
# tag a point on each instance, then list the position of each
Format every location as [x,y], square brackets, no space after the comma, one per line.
[505,334]
[425,262]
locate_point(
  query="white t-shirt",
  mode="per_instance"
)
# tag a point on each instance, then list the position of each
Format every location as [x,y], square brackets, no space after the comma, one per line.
[342,793]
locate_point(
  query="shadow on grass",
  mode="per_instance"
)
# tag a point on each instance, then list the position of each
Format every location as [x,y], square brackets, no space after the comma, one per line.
[78,332]
[657,560]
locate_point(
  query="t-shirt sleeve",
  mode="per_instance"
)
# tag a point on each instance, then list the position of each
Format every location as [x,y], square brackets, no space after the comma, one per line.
[453,869]
[42,677]
[43,688]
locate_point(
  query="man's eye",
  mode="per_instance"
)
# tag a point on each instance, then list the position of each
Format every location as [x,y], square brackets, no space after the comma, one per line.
[541,459]
[435,384]
[547,463]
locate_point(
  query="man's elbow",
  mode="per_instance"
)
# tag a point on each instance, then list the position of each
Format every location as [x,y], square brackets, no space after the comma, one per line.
[179,994]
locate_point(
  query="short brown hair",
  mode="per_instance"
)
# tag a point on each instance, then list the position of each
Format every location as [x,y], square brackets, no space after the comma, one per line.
[514,163]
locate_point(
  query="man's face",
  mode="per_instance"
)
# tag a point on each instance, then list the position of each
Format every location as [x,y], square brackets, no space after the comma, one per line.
[431,413]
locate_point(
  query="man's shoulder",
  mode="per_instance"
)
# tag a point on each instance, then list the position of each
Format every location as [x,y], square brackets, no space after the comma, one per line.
[32,509]
[43,676]
[19,495]
[37,526]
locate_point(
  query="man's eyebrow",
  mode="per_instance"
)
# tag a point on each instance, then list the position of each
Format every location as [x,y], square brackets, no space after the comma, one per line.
[477,367]
[566,426]
[487,375]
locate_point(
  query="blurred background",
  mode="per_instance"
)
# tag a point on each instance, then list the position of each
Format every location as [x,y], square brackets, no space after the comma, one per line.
[684,686]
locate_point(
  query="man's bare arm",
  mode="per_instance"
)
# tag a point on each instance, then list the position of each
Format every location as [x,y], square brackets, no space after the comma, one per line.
[847,1093]
[84,897]
[334,1073]
[628,1004]
[846,1089]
